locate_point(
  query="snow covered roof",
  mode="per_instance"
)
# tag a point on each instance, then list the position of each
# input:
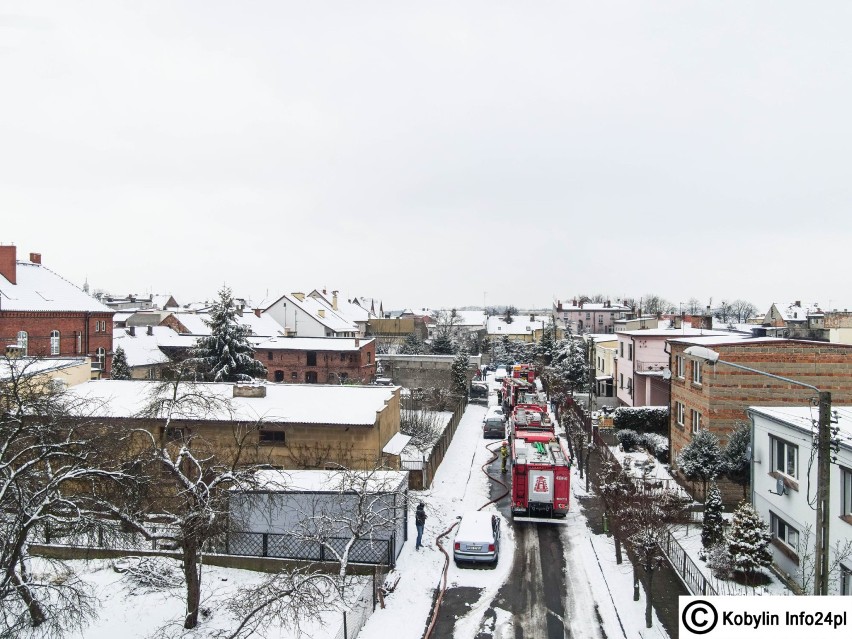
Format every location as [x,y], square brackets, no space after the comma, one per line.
[40,289]
[142,349]
[520,325]
[596,306]
[803,418]
[673,332]
[283,403]
[471,318]
[264,326]
[796,311]
[396,444]
[319,311]
[722,339]
[313,343]
[28,366]
[330,481]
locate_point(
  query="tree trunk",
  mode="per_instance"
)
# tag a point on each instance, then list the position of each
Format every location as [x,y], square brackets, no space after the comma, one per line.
[618,558]
[193,582]
[635,583]
[648,609]
[37,616]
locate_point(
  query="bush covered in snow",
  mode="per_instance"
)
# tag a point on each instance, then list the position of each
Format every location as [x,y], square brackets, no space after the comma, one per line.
[629,439]
[644,419]
[657,445]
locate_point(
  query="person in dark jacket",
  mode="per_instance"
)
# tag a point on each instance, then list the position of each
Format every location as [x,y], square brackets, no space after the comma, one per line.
[419,522]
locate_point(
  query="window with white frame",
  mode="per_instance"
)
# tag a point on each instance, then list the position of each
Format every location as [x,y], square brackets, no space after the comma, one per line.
[23,341]
[680,411]
[679,366]
[845,581]
[54,342]
[783,531]
[696,372]
[785,457]
[100,357]
[696,420]
[846,491]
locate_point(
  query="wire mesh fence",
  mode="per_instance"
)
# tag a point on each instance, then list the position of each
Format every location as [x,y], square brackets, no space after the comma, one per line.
[360,609]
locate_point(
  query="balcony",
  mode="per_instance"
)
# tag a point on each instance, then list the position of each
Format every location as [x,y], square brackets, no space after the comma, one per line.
[650,367]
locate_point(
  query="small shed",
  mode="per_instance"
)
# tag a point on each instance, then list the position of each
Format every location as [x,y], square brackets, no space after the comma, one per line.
[309,514]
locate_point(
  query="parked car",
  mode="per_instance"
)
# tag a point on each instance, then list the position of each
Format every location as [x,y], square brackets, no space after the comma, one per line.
[500,373]
[479,392]
[477,537]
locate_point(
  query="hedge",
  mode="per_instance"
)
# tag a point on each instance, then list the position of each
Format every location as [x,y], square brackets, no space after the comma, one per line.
[645,419]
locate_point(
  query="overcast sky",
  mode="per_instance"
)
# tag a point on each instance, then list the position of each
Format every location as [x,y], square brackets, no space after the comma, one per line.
[432,154]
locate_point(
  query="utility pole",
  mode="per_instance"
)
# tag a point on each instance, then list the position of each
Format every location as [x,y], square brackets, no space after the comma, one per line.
[822,505]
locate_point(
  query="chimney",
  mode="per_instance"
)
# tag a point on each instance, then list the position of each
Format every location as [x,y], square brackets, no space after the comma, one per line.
[132,331]
[35,258]
[150,330]
[532,317]
[9,263]
[249,390]
[334,300]
[299,296]
[357,342]
[257,312]
[239,311]
[797,303]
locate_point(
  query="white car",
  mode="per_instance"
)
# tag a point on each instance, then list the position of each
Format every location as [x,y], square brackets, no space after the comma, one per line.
[499,374]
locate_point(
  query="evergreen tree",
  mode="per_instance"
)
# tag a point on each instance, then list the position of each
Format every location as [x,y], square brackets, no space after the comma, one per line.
[120,368]
[748,541]
[701,459]
[544,349]
[442,345]
[458,373]
[712,531]
[413,345]
[226,355]
[735,454]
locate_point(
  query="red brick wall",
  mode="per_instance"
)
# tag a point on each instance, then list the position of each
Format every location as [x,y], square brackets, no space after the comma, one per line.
[39,326]
[358,366]
[726,392]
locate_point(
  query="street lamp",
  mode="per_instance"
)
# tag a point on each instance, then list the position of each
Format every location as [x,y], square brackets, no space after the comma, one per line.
[823,460]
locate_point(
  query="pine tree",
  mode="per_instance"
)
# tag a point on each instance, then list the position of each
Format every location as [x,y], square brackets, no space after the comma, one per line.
[458,373]
[712,531]
[442,345]
[701,459]
[226,355]
[748,541]
[413,345]
[120,368]
[735,454]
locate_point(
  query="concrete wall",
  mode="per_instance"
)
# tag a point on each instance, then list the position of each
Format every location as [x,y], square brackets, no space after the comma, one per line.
[424,371]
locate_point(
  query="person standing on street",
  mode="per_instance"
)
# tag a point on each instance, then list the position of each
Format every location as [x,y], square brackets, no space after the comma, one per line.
[504,455]
[419,522]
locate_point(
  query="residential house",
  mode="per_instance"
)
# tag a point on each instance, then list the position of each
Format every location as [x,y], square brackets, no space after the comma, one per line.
[66,371]
[716,397]
[150,349]
[305,316]
[259,324]
[589,317]
[318,360]
[520,329]
[784,483]
[604,354]
[642,365]
[42,314]
[358,311]
[290,426]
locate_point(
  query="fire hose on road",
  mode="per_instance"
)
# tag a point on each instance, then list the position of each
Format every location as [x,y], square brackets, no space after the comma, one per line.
[443,586]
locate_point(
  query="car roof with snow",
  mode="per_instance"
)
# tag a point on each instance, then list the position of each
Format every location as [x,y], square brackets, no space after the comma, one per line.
[475,525]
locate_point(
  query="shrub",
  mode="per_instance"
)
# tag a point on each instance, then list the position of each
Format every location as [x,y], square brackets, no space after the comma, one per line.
[644,419]
[629,439]
[657,445]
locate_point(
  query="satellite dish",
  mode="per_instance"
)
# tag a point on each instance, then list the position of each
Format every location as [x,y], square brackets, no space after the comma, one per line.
[667,374]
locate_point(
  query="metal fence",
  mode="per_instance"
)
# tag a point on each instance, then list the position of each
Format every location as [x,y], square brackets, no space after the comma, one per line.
[359,611]
[691,574]
[363,551]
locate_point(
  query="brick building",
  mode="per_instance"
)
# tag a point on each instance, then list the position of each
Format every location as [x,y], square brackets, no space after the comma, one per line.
[318,360]
[715,398]
[287,425]
[42,314]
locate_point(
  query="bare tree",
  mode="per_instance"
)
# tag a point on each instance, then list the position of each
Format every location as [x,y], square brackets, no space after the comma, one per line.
[180,497]
[656,305]
[742,310]
[693,306]
[723,312]
[48,451]
[424,426]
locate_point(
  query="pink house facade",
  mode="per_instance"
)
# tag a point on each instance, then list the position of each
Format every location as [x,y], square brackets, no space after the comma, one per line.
[586,317]
[643,359]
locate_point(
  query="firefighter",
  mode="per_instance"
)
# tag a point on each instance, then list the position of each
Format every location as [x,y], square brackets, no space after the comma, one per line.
[504,454]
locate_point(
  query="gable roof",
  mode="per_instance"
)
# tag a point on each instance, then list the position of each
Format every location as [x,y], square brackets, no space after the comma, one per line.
[40,289]
[263,326]
[329,318]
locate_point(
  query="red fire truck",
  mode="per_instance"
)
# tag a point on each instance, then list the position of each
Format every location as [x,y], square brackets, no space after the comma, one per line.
[530,417]
[541,475]
[524,371]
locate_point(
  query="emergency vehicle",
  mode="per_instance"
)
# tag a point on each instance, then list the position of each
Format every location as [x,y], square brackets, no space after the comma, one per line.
[541,476]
